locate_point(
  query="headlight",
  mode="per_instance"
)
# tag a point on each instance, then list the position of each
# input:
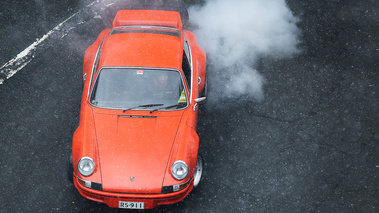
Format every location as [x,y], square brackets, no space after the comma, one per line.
[86,166]
[179,170]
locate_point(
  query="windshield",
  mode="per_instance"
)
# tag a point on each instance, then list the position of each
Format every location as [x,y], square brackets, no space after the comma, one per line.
[136,88]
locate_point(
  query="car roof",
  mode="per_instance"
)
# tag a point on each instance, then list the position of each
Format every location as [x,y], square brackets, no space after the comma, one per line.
[138,41]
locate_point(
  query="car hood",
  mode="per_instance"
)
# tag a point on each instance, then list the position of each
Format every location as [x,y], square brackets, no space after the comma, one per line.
[134,150]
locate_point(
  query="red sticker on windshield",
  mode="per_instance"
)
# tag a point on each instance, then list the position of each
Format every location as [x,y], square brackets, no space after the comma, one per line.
[139,72]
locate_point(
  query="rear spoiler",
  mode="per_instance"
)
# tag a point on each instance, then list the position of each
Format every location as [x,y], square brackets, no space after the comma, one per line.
[148,18]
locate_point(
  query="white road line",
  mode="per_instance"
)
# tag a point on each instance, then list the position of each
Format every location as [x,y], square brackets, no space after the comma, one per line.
[26,56]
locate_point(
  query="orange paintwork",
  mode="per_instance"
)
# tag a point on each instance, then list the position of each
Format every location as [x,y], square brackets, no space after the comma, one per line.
[149,18]
[141,50]
[140,145]
[133,151]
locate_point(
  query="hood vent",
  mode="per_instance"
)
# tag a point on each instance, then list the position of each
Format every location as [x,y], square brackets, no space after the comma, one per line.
[136,116]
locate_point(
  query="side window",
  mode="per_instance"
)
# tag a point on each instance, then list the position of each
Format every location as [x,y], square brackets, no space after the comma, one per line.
[96,62]
[188,52]
[95,67]
[186,65]
[187,71]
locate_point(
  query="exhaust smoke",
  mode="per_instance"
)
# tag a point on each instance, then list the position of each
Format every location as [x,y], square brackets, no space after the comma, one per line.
[235,35]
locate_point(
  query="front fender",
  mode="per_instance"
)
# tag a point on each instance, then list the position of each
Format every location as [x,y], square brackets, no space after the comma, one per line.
[84,144]
[185,148]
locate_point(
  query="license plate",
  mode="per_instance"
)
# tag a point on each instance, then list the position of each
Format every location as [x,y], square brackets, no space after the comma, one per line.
[131,205]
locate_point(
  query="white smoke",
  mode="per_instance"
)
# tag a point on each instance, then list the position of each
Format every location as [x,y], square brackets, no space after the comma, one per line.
[236,34]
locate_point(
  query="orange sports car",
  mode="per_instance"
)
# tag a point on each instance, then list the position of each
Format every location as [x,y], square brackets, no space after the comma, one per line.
[136,146]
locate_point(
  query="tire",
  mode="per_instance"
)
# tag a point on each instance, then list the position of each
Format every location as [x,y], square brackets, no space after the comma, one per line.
[198,171]
[204,91]
[70,169]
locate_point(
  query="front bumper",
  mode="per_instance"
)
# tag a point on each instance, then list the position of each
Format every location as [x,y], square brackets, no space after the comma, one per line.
[150,200]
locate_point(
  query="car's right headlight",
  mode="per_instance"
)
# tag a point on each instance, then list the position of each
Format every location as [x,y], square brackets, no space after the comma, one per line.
[179,170]
[86,166]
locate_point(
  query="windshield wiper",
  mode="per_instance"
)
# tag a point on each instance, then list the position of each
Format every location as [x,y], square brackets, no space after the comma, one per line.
[144,106]
[167,107]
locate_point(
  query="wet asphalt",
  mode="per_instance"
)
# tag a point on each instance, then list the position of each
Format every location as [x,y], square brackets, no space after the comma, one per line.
[310,146]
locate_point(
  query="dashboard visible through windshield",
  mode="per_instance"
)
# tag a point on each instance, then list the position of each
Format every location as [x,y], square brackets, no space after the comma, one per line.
[137,88]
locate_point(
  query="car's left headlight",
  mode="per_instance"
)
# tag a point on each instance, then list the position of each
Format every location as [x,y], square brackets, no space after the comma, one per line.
[86,166]
[179,170]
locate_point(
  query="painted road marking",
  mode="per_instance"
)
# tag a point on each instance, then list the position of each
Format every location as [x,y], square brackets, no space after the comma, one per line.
[26,56]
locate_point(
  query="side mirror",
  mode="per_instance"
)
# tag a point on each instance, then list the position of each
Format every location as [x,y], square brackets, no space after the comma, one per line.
[198,100]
